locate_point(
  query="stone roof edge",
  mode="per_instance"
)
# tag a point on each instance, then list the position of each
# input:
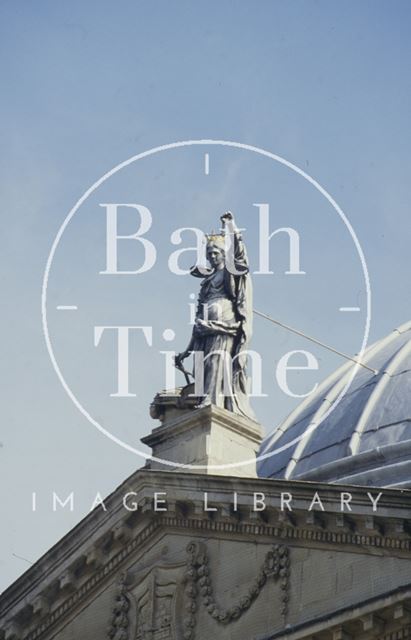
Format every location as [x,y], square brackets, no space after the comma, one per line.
[94,520]
[144,478]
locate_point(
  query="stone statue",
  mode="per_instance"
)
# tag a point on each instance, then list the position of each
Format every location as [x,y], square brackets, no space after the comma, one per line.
[223,322]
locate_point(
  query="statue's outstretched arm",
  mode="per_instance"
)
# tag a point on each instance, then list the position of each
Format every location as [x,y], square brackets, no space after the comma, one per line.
[239,250]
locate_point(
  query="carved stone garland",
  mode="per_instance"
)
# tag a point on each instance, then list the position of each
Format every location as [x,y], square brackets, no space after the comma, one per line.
[197,578]
[118,629]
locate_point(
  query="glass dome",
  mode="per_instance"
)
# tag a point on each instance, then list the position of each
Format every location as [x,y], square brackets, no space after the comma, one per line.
[366,439]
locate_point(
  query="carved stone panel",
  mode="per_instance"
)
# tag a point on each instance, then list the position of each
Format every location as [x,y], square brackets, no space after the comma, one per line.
[163,602]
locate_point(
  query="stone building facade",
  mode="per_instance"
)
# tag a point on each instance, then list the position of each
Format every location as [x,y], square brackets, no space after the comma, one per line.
[178,554]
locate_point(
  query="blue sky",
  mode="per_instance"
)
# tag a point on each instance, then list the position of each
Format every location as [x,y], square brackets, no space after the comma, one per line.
[87,85]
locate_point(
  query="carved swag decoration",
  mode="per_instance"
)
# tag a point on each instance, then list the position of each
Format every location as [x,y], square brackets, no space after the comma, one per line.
[120,619]
[144,618]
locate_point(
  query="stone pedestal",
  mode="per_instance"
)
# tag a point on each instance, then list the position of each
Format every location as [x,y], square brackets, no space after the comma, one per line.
[203,439]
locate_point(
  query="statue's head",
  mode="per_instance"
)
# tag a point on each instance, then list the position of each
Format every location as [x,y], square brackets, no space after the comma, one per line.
[216,250]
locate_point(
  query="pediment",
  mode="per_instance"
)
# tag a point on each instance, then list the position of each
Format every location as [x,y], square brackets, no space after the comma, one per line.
[139,561]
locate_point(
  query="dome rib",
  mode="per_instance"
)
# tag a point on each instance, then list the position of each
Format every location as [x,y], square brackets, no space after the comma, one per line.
[373,417]
[292,418]
[344,373]
[376,395]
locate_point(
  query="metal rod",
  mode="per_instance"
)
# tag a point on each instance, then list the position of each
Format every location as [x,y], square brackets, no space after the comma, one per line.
[321,344]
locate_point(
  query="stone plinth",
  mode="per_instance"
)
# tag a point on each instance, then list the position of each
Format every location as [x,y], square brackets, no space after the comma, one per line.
[205,437]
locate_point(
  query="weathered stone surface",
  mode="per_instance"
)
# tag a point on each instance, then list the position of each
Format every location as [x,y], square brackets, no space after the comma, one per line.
[208,438]
[335,580]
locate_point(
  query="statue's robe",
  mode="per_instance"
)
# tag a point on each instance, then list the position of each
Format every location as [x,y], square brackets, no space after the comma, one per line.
[228,331]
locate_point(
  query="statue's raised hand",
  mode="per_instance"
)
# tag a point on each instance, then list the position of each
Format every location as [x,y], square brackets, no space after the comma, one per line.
[227,217]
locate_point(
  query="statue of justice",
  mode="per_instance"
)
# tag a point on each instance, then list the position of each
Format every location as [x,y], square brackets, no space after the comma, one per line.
[223,323]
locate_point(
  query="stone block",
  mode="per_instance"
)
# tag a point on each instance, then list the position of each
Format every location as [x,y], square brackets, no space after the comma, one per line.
[207,437]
